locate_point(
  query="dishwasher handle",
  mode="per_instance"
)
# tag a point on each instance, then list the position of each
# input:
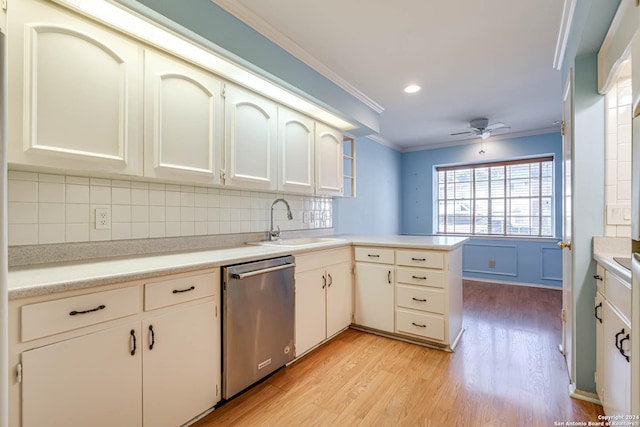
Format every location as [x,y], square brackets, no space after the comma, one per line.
[240,276]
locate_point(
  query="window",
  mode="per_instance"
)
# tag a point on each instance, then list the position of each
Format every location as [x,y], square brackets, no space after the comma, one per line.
[510,198]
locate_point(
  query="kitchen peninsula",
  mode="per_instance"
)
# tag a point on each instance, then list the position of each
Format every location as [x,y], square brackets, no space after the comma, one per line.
[131,315]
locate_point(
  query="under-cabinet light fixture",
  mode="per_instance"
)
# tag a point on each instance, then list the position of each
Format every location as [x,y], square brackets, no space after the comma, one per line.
[125,21]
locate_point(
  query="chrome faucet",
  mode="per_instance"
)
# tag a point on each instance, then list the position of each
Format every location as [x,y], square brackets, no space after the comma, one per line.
[275,234]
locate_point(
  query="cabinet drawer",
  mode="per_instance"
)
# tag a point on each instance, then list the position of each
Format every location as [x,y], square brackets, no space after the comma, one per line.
[427,259]
[379,255]
[180,289]
[52,317]
[419,298]
[618,292]
[322,259]
[600,271]
[424,325]
[420,276]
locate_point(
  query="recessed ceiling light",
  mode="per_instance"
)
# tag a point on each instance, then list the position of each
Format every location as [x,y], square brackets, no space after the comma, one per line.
[412,89]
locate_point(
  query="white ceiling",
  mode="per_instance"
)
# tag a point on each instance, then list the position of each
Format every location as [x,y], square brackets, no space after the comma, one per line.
[490,58]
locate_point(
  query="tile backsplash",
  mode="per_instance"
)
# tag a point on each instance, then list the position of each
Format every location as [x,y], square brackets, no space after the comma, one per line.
[618,156]
[45,208]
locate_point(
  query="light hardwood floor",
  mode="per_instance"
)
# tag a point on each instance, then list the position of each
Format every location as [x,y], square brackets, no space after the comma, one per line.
[506,371]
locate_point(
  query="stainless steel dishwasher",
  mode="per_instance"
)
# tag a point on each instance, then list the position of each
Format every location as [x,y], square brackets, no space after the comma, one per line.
[257,321]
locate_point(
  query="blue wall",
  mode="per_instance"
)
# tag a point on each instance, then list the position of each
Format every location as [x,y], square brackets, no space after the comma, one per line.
[519,260]
[376,209]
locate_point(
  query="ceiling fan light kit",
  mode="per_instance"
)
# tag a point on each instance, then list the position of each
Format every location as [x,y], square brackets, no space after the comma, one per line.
[481,127]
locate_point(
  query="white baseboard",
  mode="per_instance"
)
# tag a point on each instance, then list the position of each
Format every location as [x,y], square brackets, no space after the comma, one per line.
[502,282]
[583,395]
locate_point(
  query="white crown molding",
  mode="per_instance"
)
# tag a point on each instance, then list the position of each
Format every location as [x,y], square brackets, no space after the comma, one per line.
[564,31]
[616,46]
[382,141]
[260,25]
[476,140]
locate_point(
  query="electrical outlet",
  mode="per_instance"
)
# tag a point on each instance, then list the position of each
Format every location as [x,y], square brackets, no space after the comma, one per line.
[103,219]
[492,263]
[305,217]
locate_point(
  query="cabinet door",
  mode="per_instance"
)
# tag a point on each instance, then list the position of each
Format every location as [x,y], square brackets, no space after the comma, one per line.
[183,129]
[339,298]
[73,101]
[93,380]
[250,140]
[617,370]
[181,368]
[295,152]
[310,309]
[329,161]
[374,296]
[600,344]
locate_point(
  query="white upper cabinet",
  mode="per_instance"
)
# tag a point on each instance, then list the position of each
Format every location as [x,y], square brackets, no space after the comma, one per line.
[74,93]
[251,150]
[329,161]
[295,152]
[182,120]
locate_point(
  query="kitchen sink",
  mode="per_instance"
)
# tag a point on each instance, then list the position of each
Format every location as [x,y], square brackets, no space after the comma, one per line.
[301,241]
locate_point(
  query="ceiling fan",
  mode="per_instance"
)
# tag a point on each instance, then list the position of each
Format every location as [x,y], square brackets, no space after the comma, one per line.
[481,127]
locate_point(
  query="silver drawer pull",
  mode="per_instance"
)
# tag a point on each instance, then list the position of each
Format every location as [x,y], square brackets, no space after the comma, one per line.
[179,291]
[418,299]
[100,307]
[240,276]
[418,259]
[373,255]
[418,325]
[419,277]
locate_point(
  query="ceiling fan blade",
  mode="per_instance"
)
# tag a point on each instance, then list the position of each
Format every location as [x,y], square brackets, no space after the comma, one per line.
[496,125]
[469,132]
[500,130]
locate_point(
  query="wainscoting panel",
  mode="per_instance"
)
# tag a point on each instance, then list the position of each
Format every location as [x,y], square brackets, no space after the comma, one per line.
[496,259]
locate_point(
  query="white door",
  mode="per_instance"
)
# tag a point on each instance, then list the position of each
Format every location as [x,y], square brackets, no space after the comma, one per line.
[310,310]
[181,365]
[73,101]
[295,152]
[251,131]
[329,161]
[182,116]
[94,380]
[339,298]
[374,296]
[567,226]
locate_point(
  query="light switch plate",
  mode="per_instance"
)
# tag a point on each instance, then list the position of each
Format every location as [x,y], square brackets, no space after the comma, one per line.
[619,214]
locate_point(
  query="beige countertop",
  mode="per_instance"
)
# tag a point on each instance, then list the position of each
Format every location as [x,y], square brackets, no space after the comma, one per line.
[606,248]
[58,277]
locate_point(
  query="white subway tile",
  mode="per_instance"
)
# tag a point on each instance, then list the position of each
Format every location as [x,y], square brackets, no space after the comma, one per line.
[22,191]
[213,200]
[43,177]
[99,195]
[140,185]
[624,190]
[22,176]
[156,197]
[140,230]
[100,182]
[139,197]
[51,233]
[51,192]
[22,234]
[120,196]
[120,213]
[139,214]
[157,229]
[77,180]
[77,232]
[213,214]
[77,193]
[51,213]
[121,231]
[201,199]
[225,227]
[22,213]
[200,228]
[173,188]
[187,199]
[157,214]
[120,184]
[187,228]
[624,171]
[213,227]
[172,198]
[172,214]
[200,214]
[173,229]
[77,213]
[156,186]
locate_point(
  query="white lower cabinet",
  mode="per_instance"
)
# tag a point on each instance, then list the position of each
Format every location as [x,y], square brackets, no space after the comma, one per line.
[93,380]
[413,293]
[323,304]
[108,361]
[613,343]
[374,296]
[181,365]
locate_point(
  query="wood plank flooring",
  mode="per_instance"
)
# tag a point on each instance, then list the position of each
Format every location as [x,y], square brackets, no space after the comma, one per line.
[506,371]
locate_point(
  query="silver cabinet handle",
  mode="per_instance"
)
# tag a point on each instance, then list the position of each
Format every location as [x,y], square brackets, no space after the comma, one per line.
[241,276]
